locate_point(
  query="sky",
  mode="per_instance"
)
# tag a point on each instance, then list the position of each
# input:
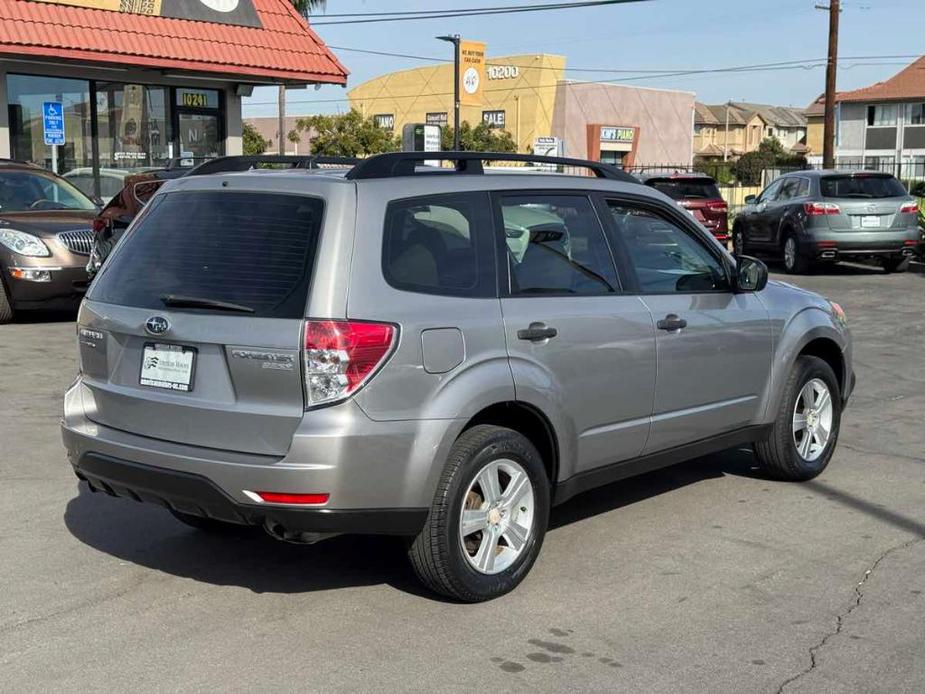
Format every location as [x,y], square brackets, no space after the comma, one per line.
[648,35]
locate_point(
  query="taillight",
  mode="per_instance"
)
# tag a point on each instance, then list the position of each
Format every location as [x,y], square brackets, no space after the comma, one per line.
[717,206]
[291,498]
[815,209]
[340,356]
[909,208]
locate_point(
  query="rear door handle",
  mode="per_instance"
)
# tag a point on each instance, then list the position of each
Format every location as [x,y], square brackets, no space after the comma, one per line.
[537,332]
[671,322]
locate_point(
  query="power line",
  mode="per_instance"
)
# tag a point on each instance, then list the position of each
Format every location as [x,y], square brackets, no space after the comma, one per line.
[477,12]
[553,6]
[759,67]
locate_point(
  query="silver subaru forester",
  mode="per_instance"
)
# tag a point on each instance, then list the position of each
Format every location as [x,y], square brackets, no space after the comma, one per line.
[441,353]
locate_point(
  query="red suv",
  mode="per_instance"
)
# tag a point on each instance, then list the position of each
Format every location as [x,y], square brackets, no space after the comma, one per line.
[698,194]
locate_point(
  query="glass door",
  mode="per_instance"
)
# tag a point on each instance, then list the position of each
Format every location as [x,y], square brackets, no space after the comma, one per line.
[199,126]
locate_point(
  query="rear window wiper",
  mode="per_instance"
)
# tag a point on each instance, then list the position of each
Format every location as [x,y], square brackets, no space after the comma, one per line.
[177,301]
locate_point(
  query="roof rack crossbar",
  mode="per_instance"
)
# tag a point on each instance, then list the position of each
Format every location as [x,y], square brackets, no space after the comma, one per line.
[404,164]
[247,162]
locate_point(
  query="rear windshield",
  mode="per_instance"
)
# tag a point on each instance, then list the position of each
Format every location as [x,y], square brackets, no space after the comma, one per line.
[687,188]
[861,187]
[255,250]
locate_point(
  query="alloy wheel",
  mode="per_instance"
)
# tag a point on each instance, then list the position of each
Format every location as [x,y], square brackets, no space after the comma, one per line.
[790,253]
[496,521]
[812,419]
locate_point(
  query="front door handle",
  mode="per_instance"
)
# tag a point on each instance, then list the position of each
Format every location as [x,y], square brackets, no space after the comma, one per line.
[671,323]
[537,332]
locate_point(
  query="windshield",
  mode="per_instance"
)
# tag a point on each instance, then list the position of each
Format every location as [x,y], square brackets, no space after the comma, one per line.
[24,191]
[687,188]
[866,186]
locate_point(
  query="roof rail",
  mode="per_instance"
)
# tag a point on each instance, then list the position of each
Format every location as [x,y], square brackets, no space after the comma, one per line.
[405,163]
[246,162]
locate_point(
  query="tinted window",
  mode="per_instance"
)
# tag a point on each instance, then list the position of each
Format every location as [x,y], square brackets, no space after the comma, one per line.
[555,245]
[687,188]
[790,188]
[252,249]
[440,245]
[771,191]
[861,187]
[665,257]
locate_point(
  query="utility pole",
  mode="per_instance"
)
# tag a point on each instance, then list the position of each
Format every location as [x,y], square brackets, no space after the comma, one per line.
[454,39]
[726,136]
[282,119]
[831,69]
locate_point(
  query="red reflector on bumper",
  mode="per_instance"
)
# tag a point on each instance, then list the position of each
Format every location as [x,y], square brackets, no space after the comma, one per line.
[287,498]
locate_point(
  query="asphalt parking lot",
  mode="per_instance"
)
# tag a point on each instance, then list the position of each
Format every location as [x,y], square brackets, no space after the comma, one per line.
[701,577]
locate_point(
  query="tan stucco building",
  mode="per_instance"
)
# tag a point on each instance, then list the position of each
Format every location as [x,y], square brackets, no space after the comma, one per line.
[528,96]
[748,125]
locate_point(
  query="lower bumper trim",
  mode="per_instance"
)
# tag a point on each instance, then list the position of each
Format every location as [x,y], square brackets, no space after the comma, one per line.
[199,496]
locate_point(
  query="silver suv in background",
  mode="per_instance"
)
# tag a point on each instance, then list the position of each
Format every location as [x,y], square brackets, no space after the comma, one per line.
[439,353]
[805,217]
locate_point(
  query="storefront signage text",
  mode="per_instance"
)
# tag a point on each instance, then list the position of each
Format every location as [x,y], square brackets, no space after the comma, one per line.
[503,72]
[385,121]
[240,12]
[471,72]
[495,119]
[194,99]
[617,134]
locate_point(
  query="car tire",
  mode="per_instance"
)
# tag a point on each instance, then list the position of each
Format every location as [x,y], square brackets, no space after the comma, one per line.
[484,563]
[795,263]
[6,308]
[209,525]
[798,450]
[895,264]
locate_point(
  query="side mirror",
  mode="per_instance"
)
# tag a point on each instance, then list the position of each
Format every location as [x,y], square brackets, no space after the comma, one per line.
[751,199]
[751,274]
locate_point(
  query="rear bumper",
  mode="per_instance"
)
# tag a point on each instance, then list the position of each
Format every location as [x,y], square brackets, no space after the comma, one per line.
[197,495]
[831,244]
[380,476]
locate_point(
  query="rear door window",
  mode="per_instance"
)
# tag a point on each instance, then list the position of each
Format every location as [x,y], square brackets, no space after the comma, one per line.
[687,188]
[255,250]
[440,244]
[555,245]
[861,187]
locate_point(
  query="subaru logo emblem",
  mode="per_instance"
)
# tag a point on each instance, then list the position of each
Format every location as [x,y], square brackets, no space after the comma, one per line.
[157,325]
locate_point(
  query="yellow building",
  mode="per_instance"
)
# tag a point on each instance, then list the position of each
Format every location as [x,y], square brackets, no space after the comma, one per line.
[519,96]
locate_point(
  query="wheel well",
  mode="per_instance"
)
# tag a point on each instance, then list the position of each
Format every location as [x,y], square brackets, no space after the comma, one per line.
[528,421]
[830,353]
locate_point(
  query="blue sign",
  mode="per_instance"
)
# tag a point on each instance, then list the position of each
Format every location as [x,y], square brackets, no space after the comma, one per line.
[53,122]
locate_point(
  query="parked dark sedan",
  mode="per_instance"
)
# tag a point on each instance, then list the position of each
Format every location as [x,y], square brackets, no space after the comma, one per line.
[45,238]
[805,217]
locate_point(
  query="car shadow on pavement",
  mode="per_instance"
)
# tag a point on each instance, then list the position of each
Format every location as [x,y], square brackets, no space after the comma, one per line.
[45,316]
[149,536]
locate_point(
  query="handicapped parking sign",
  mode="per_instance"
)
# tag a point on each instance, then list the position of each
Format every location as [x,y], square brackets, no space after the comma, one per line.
[53,122]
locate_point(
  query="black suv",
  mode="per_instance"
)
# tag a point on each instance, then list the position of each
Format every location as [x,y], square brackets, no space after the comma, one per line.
[45,239]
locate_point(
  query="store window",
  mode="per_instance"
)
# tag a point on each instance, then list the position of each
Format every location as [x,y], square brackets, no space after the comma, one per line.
[26,95]
[199,125]
[132,131]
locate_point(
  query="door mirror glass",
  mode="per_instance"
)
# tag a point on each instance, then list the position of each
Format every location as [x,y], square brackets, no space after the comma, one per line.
[751,274]
[750,199]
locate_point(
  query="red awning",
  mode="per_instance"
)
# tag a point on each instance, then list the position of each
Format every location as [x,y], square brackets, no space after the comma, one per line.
[284,48]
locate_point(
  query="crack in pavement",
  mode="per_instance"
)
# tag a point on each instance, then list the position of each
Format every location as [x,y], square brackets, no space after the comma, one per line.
[888,454]
[840,619]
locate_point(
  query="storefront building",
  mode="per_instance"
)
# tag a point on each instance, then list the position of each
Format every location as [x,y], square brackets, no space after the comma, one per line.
[529,97]
[139,84]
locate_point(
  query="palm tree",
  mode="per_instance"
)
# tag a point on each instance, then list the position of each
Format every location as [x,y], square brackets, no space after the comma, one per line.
[304,8]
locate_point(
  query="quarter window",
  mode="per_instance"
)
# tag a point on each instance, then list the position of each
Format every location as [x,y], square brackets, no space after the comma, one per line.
[666,258]
[555,245]
[438,245]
